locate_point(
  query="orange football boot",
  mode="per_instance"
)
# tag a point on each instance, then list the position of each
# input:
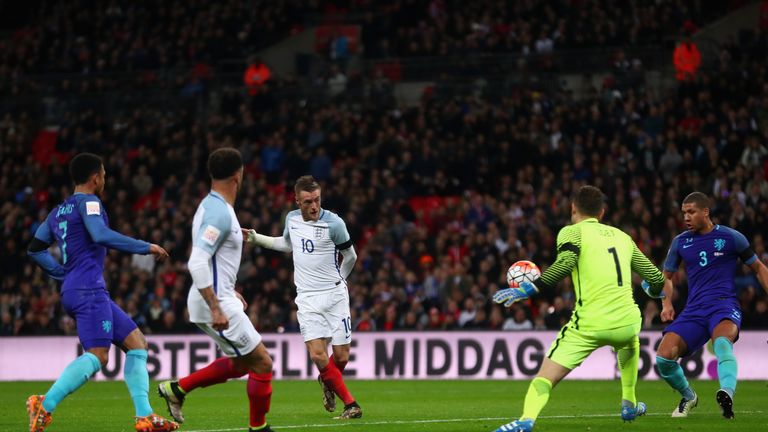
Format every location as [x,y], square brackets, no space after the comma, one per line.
[39,418]
[155,423]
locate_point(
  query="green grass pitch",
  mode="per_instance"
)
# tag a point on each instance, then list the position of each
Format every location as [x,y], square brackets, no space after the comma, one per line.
[400,406]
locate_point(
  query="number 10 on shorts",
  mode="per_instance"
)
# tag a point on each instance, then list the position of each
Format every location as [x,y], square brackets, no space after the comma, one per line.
[347,325]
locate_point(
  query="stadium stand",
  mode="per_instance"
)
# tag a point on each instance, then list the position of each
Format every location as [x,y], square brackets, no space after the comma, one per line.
[439,197]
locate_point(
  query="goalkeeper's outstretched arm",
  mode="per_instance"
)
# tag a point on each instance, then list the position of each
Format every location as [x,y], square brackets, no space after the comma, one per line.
[568,249]
[645,268]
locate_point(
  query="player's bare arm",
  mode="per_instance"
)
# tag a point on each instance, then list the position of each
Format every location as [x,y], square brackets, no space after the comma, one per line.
[219,320]
[159,253]
[656,281]
[667,308]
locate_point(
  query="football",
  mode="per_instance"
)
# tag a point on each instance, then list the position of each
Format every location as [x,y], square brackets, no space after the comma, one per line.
[522,271]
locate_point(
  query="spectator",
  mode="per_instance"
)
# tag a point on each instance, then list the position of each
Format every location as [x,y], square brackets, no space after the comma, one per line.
[256,76]
[518,321]
[142,182]
[336,81]
[434,180]
[687,60]
[753,154]
[468,313]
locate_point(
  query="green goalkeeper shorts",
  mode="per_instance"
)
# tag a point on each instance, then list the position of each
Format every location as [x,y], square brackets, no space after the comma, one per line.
[573,346]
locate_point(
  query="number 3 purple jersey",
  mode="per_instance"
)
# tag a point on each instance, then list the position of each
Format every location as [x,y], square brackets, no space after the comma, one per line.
[710,261]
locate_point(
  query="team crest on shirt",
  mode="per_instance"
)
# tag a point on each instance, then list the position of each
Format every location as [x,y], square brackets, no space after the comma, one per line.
[719,244]
[319,232]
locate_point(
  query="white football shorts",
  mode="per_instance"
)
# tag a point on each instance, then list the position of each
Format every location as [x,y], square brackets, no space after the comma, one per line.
[239,339]
[325,315]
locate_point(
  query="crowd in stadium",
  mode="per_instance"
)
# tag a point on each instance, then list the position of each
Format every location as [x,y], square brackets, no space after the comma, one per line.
[453,27]
[439,199]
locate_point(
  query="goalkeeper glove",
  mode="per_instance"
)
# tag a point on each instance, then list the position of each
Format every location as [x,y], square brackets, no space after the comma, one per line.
[509,296]
[647,288]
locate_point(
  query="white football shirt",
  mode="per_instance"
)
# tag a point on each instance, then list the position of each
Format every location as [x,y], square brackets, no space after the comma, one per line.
[315,248]
[215,229]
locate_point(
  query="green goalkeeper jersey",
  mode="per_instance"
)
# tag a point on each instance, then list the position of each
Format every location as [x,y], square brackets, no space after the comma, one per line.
[600,259]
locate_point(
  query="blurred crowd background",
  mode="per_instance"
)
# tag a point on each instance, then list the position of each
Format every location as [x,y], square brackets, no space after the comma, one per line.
[440,196]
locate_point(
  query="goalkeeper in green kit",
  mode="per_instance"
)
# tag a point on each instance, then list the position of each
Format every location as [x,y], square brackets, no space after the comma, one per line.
[600,259]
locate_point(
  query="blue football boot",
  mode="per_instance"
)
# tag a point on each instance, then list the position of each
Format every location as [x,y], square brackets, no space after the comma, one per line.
[628,414]
[517,426]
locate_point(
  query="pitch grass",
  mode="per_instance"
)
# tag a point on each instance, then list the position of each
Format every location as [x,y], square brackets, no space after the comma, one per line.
[400,406]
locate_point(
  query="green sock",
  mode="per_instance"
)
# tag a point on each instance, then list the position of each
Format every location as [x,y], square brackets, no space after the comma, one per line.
[536,398]
[628,358]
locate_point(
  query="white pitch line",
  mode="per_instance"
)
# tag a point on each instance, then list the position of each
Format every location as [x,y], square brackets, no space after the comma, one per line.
[344,423]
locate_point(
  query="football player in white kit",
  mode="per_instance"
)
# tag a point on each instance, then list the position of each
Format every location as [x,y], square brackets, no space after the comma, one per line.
[316,237]
[213,303]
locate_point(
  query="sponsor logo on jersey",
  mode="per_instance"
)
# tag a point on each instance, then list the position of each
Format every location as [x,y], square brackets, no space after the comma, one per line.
[211,234]
[92,208]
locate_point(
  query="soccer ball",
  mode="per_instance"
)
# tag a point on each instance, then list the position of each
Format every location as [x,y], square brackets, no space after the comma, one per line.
[522,271]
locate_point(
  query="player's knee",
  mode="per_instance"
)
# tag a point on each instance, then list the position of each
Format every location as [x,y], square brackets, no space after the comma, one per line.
[135,340]
[141,342]
[341,359]
[264,366]
[667,352]
[320,359]
[103,357]
[259,364]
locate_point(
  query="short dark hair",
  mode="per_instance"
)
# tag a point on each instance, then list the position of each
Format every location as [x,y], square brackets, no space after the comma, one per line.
[589,201]
[306,183]
[224,163]
[83,166]
[700,199]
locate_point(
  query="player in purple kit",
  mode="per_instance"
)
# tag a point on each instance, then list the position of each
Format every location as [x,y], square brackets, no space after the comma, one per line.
[81,228]
[710,253]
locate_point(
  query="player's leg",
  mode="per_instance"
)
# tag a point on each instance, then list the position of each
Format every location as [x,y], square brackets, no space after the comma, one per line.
[259,388]
[218,371]
[672,347]
[132,341]
[567,352]
[323,317]
[627,346]
[536,398]
[40,407]
[724,335]
[337,317]
[339,357]
[135,370]
[94,328]
[331,377]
